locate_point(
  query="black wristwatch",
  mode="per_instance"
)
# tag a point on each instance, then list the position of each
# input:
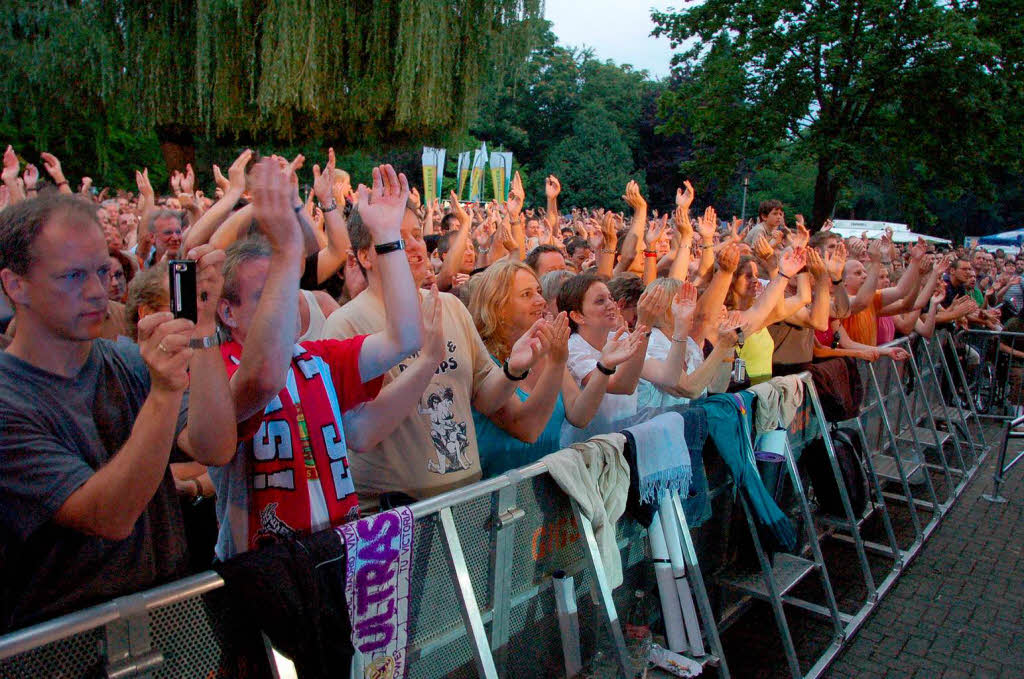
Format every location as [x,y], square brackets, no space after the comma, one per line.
[385,248]
[606,371]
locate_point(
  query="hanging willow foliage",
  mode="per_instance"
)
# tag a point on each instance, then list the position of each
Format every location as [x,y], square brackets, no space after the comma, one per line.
[353,70]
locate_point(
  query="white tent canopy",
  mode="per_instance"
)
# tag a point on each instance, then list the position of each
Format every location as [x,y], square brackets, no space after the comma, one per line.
[848,228]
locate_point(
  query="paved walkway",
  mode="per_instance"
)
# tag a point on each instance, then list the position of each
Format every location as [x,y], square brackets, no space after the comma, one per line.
[958,611]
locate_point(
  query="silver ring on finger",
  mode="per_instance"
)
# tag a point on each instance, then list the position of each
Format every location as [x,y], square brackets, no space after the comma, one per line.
[162,348]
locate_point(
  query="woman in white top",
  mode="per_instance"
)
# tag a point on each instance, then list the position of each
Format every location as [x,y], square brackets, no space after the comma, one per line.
[674,329]
[594,319]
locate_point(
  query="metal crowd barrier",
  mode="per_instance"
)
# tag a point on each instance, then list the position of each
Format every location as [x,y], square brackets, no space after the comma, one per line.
[488,559]
[1011,430]
[995,371]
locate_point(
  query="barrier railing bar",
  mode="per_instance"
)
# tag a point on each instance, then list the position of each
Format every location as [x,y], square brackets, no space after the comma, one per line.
[87,619]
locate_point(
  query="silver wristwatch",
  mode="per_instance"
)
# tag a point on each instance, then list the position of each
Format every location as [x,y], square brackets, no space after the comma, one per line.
[207,342]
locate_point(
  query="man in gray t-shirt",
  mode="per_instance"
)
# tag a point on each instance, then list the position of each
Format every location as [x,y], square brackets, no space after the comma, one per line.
[87,505]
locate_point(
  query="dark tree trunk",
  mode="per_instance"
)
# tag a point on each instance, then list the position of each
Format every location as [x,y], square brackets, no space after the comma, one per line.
[826,189]
[178,145]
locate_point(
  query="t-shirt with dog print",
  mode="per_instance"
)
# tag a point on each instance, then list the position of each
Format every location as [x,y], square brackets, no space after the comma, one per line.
[434,449]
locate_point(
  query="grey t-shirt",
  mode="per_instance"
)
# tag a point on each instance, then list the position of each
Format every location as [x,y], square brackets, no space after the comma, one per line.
[55,433]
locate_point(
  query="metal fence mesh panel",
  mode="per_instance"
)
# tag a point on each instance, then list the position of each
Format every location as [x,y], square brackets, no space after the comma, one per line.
[192,636]
[78,656]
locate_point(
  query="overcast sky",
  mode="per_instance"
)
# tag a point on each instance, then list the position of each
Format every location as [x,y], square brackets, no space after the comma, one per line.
[617,29]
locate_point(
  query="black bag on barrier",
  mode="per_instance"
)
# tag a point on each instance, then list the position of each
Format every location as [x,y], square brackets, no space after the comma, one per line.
[839,387]
[815,463]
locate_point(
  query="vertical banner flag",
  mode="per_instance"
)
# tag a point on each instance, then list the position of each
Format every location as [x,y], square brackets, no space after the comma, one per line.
[501,174]
[433,172]
[462,173]
[476,180]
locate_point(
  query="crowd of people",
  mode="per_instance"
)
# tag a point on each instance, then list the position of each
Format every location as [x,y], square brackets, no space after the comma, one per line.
[360,348]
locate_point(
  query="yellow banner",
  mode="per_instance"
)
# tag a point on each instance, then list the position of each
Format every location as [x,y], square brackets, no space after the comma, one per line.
[498,182]
[429,183]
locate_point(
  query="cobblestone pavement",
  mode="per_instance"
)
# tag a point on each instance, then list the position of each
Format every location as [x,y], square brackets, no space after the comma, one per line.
[958,611]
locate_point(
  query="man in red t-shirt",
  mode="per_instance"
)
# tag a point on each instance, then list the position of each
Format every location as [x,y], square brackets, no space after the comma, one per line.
[291,474]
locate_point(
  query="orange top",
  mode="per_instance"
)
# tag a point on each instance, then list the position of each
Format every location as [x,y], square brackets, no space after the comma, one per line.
[863,326]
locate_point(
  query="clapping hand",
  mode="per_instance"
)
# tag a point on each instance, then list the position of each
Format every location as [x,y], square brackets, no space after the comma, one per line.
[527,350]
[382,207]
[684,199]
[622,346]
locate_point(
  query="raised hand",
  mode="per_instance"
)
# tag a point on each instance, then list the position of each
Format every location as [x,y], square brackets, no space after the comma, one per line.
[683,305]
[465,220]
[272,207]
[609,231]
[919,250]
[516,197]
[323,182]
[621,347]
[654,232]
[552,187]
[53,168]
[236,173]
[684,199]
[222,182]
[875,251]
[86,185]
[681,218]
[836,261]
[382,207]
[31,177]
[11,165]
[792,261]
[634,199]
[433,327]
[209,284]
[188,180]
[815,264]
[802,236]
[827,226]
[652,306]
[763,250]
[707,225]
[142,182]
[729,258]
[558,329]
[527,350]
[414,196]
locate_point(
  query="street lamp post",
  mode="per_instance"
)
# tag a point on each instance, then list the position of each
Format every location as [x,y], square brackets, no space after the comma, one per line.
[743,210]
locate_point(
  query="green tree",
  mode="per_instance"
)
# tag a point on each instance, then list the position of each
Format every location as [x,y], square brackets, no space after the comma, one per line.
[909,92]
[593,164]
[353,73]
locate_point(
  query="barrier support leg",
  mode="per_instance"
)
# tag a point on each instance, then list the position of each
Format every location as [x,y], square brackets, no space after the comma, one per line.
[504,515]
[844,496]
[973,409]
[467,598]
[604,591]
[707,615]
